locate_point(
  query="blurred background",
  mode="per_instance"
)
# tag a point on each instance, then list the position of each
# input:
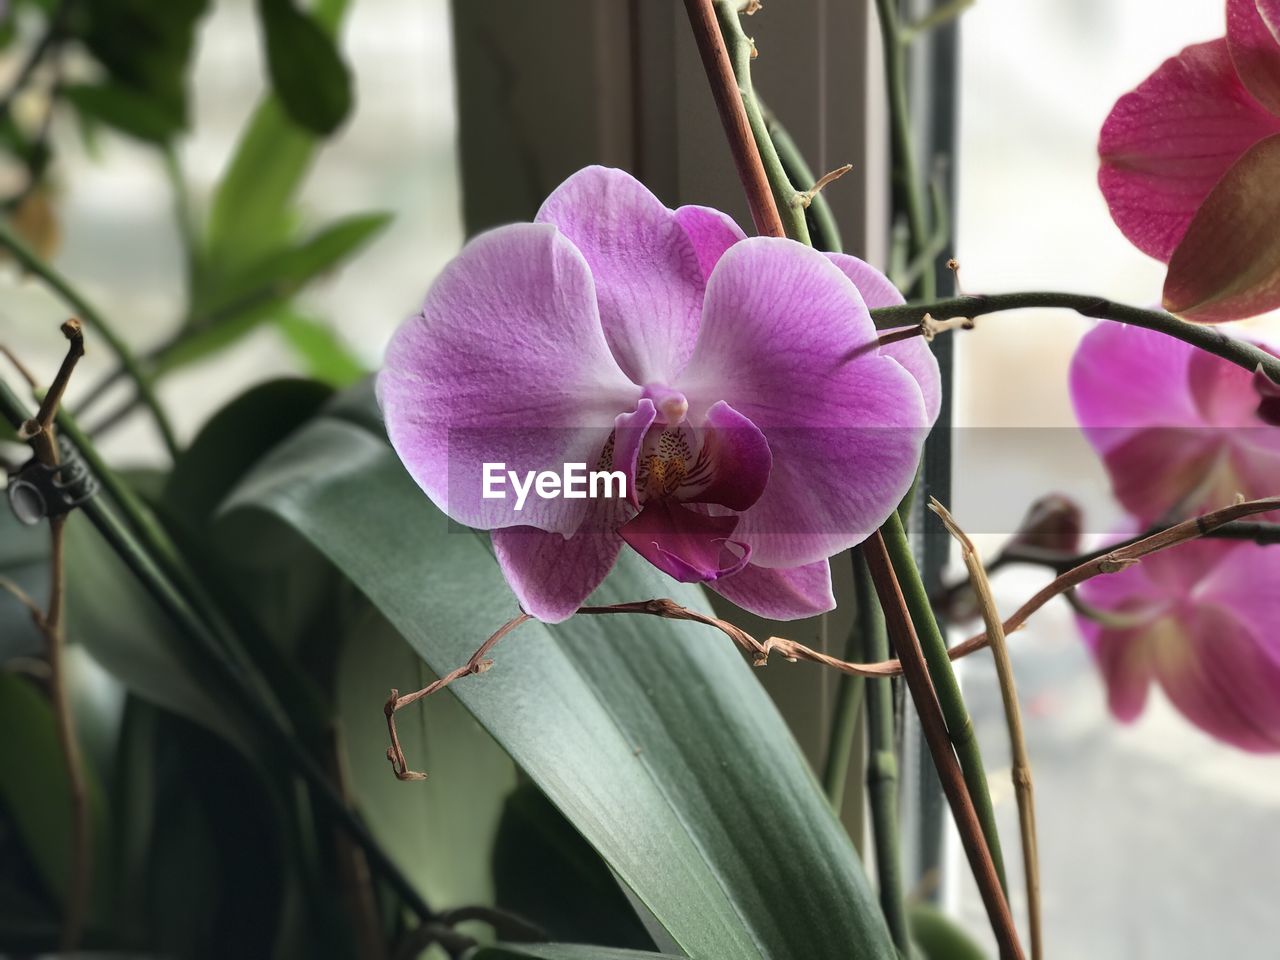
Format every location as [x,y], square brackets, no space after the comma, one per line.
[1145,830]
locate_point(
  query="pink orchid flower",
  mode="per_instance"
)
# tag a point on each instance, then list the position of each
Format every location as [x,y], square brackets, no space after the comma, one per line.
[735,382]
[1178,429]
[1190,161]
[1199,620]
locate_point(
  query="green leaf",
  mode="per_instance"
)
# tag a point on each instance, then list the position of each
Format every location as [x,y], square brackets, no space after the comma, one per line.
[147,118]
[252,211]
[322,352]
[653,738]
[35,792]
[306,68]
[560,951]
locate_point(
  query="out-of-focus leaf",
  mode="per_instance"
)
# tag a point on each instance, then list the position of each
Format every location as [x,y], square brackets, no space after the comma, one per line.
[251,212]
[307,71]
[1227,265]
[545,872]
[653,738]
[234,439]
[322,352]
[24,560]
[128,111]
[938,937]
[278,276]
[561,951]
[35,792]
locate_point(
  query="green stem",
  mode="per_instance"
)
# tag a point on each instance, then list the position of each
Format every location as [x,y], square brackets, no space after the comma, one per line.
[31,262]
[947,687]
[1207,338]
[882,762]
[907,192]
[823,229]
[844,728]
[215,663]
[785,194]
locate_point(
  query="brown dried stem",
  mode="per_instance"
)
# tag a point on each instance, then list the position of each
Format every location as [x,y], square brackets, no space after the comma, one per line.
[916,674]
[1021,773]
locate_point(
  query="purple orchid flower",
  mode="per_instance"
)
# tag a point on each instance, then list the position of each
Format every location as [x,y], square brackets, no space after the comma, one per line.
[735,383]
[1189,165]
[1178,429]
[1199,620]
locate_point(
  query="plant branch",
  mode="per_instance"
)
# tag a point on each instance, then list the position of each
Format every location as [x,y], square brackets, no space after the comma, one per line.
[1022,783]
[916,673]
[32,263]
[1211,339]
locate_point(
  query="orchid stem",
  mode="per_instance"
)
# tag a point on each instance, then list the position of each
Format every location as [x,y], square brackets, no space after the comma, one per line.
[56,282]
[959,725]
[882,760]
[844,729]
[824,232]
[1021,773]
[1207,338]
[786,197]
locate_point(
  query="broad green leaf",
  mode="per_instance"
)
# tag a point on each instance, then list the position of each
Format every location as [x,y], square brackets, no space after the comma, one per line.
[653,738]
[252,205]
[323,354]
[307,71]
[560,951]
[35,791]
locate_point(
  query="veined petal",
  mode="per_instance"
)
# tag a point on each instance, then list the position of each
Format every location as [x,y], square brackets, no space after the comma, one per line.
[550,575]
[648,281]
[737,457]
[711,233]
[629,430]
[506,363]
[845,430]
[1227,265]
[787,594]
[1255,50]
[1166,144]
[914,354]
[686,545]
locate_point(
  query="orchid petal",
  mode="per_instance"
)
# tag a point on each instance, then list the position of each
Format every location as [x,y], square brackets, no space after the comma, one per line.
[1255,51]
[648,282]
[845,429]
[629,430]
[739,459]
[788,594]
[506,363]
[711,233]
[1166,144]
[686,545]
[878,291]
[1227,265]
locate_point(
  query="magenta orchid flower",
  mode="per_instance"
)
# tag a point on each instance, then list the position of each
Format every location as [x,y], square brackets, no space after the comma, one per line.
[1199,620]
[1179,430]
[735,383]
[1190,160]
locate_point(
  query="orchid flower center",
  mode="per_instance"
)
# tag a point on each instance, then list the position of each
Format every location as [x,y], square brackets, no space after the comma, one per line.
[672,406]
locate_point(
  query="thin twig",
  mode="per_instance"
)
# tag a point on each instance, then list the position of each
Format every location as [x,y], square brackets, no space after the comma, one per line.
[1211,339]
[917,676]
[805,197]
[38,432]
[1022,784]
[28,601]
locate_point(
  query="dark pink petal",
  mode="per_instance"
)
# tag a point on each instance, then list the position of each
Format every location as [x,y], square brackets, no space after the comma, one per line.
[629,430]
[738,459]
[789,594]
[1166,144]
[1268,395]
[914,354]
[506,363]
[777,331]
[648,281]
[1160,474]
[1255,50]
[711,233]
[551,576]
[1227,265]
[688,546]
